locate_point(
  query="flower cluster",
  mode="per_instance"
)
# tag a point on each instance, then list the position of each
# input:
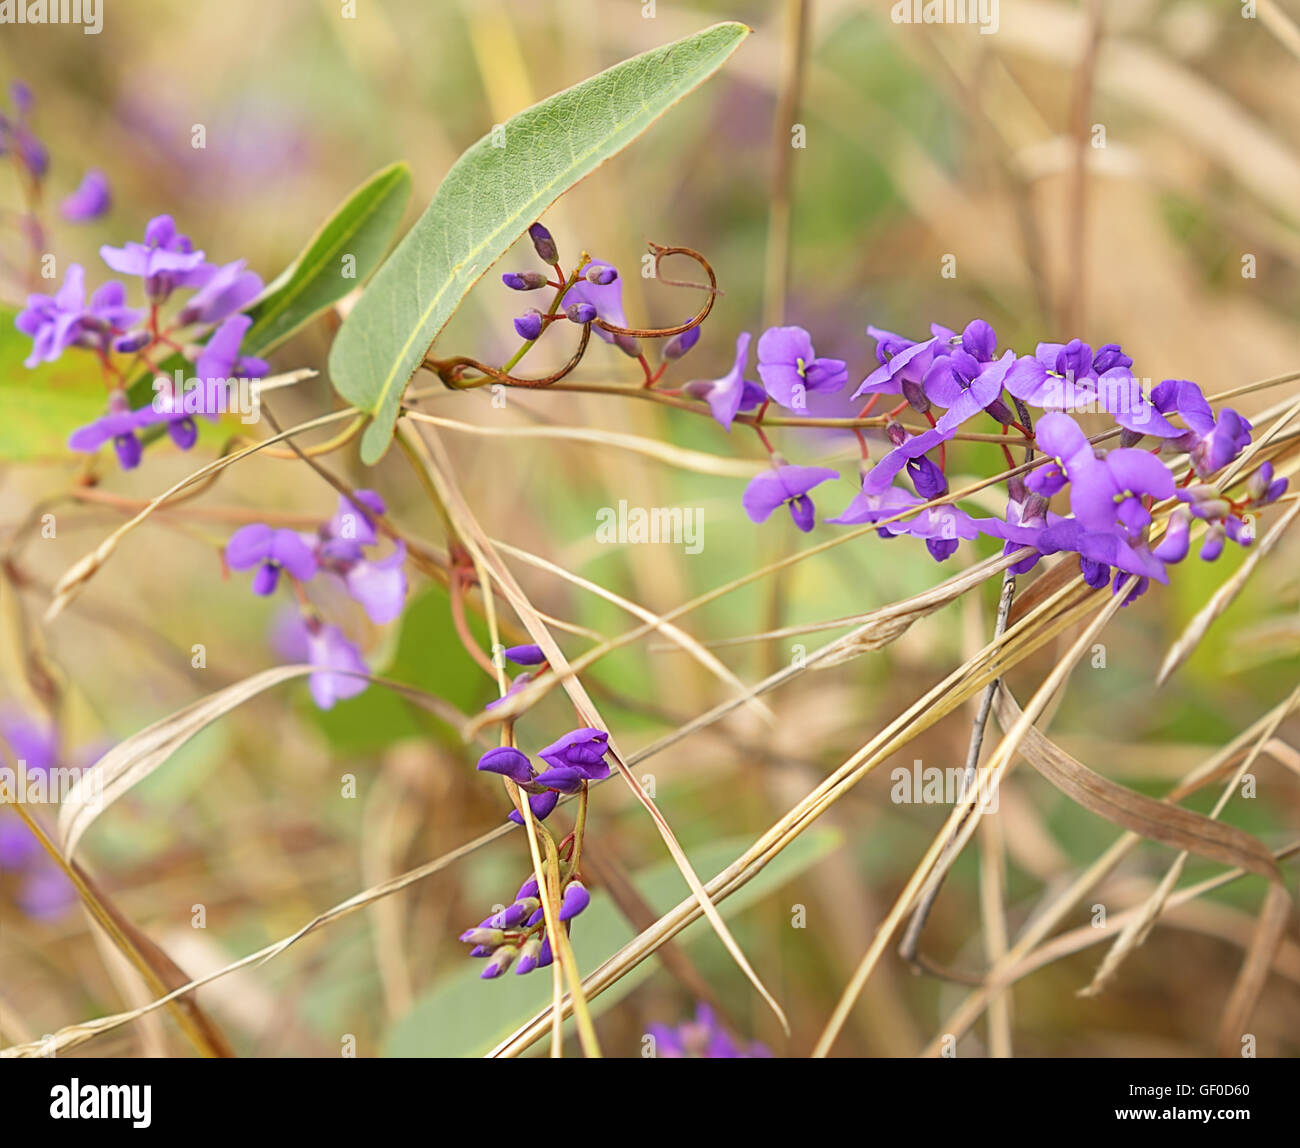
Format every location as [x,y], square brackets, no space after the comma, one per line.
[577,758]
[702,1038]
[515,936]
[166,262]
[340,547]
[952,378]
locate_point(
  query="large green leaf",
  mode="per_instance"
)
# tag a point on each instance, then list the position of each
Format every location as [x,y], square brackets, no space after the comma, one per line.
[40,407]
[362,228]
[463,1016]
[489,197]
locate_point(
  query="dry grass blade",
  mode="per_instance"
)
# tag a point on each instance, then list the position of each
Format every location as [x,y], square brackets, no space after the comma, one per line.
[1264,944]
[693,460]
[131,761]
[484,554]
[70,585]
[709,661]
[1155,820]
[1190,638]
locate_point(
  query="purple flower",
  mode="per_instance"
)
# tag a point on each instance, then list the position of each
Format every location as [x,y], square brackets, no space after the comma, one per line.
[903,363]
[790,370]
[220,358]
[678,345]
[607,299]
[942,527]
[966,385]
[119,426]
[57,322]
[731,393]
[1068,376]
[904,454]
[379,586]
[509,762]
[529,325]
[1026,518]
[583,750]
[564,778]
[352,521]
[270,550]
[162,260]
[785,484]
[703,1038]
[1262,488]
[1212,443]
[222,292]
[91,200]
[331,653]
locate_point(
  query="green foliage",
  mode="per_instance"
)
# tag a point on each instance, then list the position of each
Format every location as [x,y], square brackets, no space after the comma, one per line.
[493,192]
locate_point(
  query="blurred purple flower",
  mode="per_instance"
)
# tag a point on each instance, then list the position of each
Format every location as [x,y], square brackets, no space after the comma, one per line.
[91,200]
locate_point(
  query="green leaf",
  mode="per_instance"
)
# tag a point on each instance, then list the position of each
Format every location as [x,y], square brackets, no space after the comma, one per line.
[362,228]
[462,1016]
[40,407]
[485,203]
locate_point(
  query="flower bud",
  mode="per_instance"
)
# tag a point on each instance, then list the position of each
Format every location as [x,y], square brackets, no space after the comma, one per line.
[524,280]
[482,936]
[501,960]
[529,952]
[915,395]
[508,762]
[132,341]
[527,889]
[580,312]
[529,324]
[525,655]
[602,275]
[543,244]
[575,899]
[678,345]
[897,434]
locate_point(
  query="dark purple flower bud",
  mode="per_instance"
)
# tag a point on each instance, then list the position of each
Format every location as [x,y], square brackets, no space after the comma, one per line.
[575,899]
[132,341]
[678,345]
[545,957]
[529,324]
[482,936]
[601,274]
[1000,411]
[580,312]
[184,433]
[929,480]
[564,778]
[1109,356]
[91,199]
[512,915]
[540,803]
[501,960]
[803,512]
[1128,438]
[1173,546]
[509,762]
[544,244]
[942,549]
[1213,544]
[525,655]
[527,889]
[897,433]
[480,951]
[1133,595]
[1096,574]
[529,952]
[538,916]
[129,451]
[524,280]
[266,579]
[916,397]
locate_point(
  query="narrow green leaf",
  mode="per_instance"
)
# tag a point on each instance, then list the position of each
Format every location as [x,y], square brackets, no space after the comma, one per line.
[40,407]
[462,1016]
[362,228]
[489,197]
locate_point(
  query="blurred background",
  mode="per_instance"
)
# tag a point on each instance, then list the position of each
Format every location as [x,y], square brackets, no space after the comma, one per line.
[1119,172]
